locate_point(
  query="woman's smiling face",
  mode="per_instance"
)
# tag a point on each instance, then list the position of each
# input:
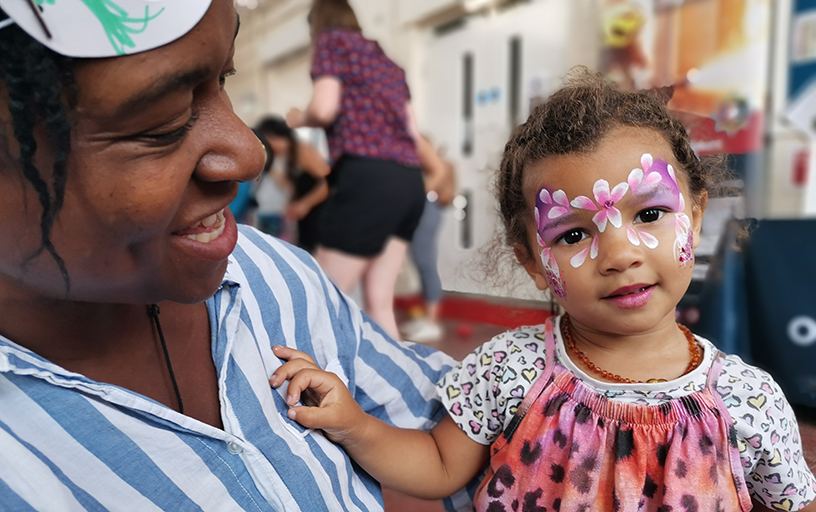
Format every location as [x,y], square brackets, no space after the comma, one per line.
[614,229]
[157,154]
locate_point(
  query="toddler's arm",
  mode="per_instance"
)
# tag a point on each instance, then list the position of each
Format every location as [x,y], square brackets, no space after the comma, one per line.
[428,465]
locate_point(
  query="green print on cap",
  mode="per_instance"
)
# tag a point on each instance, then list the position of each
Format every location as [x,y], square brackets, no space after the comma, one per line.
[118,24]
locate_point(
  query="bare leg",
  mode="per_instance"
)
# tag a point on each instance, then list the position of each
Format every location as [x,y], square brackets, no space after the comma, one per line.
[432,312]
[379,282]
[344,269]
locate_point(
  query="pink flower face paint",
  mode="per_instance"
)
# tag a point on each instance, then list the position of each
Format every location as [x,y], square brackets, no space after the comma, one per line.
[553,273]
[606,200]
[653,186]
[591,251]
[684,241]
[656,182]
[551,211]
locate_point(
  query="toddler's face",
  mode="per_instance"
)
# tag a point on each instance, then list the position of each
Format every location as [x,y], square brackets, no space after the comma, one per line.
[614,230]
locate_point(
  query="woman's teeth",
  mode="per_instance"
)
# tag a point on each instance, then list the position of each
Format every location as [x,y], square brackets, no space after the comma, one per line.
[216,222]
[209,221]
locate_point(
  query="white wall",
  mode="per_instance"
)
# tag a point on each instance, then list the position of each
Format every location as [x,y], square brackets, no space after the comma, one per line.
[783,199]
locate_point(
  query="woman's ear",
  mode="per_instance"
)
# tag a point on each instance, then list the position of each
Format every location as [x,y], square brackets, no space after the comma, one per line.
[530,264]
[697,211]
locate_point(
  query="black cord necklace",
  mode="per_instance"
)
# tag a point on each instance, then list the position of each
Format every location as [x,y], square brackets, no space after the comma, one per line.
[153,311]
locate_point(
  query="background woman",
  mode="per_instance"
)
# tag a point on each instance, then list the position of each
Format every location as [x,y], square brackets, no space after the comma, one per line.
[377,196]
[440,185]
[305,171]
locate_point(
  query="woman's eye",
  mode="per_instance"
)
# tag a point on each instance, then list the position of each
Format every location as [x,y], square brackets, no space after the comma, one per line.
[223,78]
[572,237]
[649,215]
[168,138]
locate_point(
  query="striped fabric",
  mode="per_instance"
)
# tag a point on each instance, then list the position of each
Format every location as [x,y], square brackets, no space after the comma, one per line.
[68,443]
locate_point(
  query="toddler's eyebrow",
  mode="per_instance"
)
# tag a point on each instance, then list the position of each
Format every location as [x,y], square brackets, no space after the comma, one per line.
[548,224]
[659,192]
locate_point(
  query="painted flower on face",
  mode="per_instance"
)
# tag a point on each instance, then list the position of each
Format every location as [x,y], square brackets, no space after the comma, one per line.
[553,273]
[656,178]
[550,206]
[684,241]
[644,180]
[606,200]
[648,240]
[591,251]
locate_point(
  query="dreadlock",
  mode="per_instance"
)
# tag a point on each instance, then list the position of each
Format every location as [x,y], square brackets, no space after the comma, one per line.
[37,82]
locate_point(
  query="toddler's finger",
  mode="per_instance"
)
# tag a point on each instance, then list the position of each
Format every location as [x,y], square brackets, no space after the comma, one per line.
[320,382]
[313,417]
[288,370]
[291,354]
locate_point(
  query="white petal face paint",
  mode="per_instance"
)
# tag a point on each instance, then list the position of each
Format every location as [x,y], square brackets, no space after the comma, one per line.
[560,197]
[579,258]
[684,242]
[556,212]
[648,240]
[600,220]
[614,216]
[584,203]
[632,236]
[552,273]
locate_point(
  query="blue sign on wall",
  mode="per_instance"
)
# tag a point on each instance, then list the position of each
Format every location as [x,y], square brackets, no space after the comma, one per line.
[801,59]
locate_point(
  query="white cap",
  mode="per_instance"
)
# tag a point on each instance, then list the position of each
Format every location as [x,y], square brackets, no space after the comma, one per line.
[105,28]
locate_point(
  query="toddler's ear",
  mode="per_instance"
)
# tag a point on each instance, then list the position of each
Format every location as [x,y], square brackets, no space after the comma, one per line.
[697,211]
[531,266]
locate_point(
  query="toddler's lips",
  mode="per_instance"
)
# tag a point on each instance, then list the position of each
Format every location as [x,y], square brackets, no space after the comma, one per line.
[628,290]
[206,230]
[632,297]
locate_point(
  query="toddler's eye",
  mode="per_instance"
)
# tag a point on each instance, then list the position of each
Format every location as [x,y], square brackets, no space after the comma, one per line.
[572,236]
[649,215]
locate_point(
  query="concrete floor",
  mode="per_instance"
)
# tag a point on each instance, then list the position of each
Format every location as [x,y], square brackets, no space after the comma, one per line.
[461,338]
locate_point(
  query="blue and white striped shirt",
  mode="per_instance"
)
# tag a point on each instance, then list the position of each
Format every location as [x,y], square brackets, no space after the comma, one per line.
[69,443]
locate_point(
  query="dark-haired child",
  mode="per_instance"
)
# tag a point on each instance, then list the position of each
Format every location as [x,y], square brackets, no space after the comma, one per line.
[613,405]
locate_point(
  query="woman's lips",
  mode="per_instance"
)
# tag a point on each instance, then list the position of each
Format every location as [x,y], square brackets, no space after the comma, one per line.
[209,243]
[207,229]
[631,297]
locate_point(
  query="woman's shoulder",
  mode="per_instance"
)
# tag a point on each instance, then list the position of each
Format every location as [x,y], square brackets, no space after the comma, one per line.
[340,37]
[261,256]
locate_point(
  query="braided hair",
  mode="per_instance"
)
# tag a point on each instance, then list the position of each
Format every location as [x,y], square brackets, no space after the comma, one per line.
[39,85]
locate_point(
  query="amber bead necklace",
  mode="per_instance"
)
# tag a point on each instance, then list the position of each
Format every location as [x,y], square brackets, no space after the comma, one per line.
[696,356]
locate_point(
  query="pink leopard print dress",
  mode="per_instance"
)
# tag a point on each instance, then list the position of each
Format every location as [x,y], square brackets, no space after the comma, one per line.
[570,449]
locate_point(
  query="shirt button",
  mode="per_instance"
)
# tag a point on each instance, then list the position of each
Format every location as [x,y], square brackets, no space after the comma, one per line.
[234,448]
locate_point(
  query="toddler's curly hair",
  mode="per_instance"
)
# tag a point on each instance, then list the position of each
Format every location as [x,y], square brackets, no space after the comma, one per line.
[574,120]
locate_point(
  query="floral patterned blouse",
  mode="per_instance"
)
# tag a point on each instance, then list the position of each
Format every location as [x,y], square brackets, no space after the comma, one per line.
[372,122]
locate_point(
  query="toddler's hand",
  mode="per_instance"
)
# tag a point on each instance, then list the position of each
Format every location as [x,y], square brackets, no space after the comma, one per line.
[328,404]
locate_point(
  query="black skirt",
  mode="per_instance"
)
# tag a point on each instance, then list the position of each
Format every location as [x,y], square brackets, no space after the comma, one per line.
[370,201]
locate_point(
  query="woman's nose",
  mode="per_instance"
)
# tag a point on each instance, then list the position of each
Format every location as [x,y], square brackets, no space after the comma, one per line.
[234,152]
